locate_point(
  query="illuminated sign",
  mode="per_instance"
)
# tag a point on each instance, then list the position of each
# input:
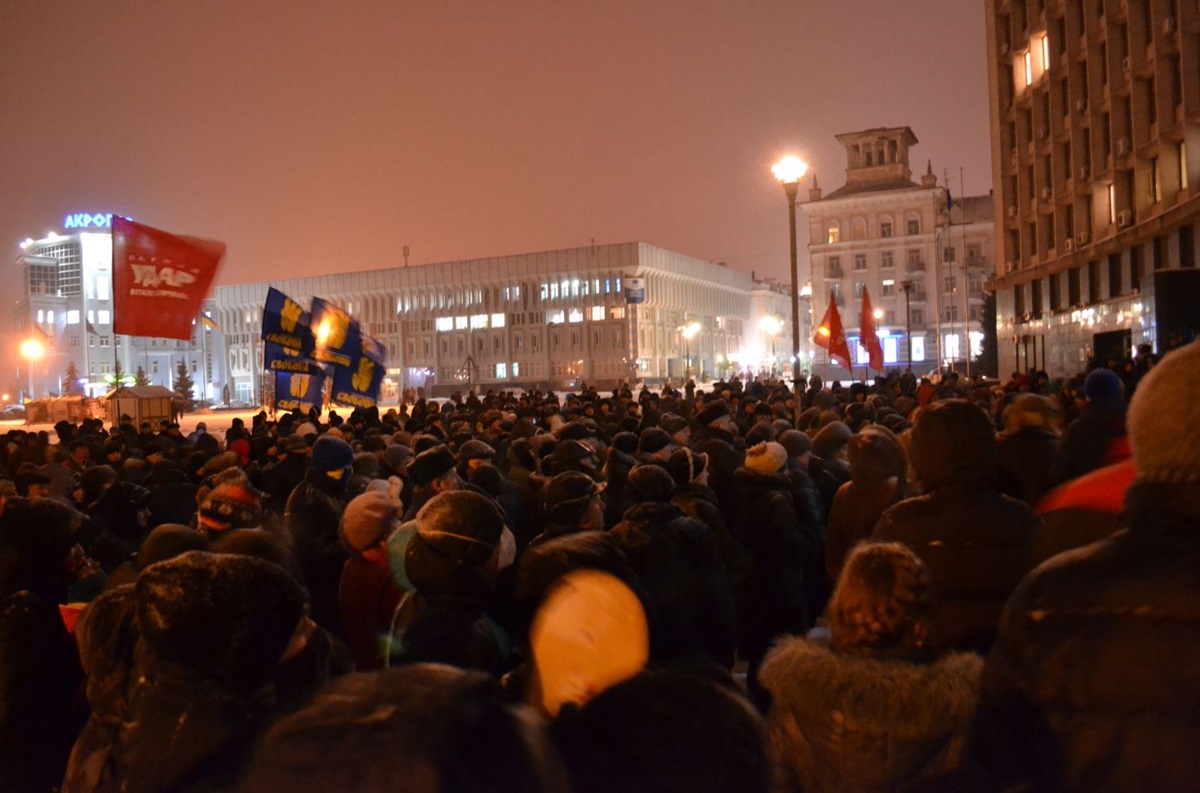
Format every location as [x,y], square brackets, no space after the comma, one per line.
[85,220]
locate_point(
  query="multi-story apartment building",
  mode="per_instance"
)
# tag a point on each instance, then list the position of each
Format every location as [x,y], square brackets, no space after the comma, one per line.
[1095,132]
[922,257]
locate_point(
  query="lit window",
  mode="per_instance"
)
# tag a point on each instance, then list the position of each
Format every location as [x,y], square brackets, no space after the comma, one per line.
[516,293]
[918,348]
[103,316]
[102,292]
[501,371]
[516,369]
[444,323]
[597,313]
[835,233]
[1045,52]
[479,321]
[574,288]
[555,318]
[890,349]
[544,291]
[41,316]
[1112,203]
[1028,68]
[575,316]
[951,351]
[91,316]
[73,317]
[460,323]
[618,312]
[497,320]
[554,291]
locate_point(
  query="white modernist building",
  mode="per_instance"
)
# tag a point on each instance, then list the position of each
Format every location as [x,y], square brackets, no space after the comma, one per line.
[551,318]
[64,315]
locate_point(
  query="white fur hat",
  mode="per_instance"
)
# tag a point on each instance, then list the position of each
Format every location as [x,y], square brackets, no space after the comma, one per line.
[766,457]
[1163,422]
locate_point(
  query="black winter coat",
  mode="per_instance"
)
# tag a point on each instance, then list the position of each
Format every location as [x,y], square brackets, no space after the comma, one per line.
[1092,684]
[725,457]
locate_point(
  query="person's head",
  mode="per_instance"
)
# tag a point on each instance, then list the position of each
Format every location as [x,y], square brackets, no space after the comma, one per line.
[686,467]
[474,453]
[573,499]
[797,445]
[228,506]
[80,451]
[435,469]
[332,458]
[459,533]
[1104,387]
[952,441]
[1164,433]
[881,601]
[716,415]
[369,519]
[423,728]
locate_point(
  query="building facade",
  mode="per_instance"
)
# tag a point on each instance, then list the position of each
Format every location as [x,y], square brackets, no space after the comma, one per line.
[1095,127]
[553,318]
[65,309]
[922,258]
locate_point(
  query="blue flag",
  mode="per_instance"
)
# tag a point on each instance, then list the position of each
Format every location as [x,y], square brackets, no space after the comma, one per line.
[339,339]
[359,386]
[283,359]
[301,390]
[286,324]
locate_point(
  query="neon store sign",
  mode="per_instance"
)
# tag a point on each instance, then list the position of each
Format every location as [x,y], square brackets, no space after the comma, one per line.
[86,220]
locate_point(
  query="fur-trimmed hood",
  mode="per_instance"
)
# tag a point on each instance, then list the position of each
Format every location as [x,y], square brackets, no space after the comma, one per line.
[843,722]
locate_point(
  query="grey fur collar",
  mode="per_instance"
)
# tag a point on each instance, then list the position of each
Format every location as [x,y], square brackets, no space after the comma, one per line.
[902,698]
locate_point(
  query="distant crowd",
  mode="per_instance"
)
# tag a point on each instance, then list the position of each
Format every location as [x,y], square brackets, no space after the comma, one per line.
[902,585]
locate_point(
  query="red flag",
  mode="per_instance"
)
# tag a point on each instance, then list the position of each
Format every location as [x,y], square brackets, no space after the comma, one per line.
[870,339]
[832,337]
[159,280]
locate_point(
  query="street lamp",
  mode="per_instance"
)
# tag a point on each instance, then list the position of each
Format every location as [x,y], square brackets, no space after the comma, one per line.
[689,332]
[789,171]
[771,324]
[31,350]
[907,286]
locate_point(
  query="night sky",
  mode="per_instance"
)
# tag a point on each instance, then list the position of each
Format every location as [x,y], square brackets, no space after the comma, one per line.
[323,136]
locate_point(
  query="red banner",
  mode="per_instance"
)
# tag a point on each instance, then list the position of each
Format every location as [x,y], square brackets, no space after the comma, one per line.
[160,280]
[832,336]
[870,336]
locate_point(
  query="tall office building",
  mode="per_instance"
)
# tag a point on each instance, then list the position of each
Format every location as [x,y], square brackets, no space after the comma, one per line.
[1095,154]
[920,255]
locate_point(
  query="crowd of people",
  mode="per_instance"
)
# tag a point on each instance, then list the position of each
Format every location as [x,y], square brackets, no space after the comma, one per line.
[906,585]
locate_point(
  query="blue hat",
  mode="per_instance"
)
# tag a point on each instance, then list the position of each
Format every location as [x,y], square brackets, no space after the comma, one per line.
[331,453]
[1103,385]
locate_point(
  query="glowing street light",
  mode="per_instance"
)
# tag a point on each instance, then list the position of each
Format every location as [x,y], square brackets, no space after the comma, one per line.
[31,351]
[689,332]
[771,324]
[789,171]
[878,313]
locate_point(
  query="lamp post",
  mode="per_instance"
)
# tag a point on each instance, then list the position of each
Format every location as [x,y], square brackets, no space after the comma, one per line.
[789,171]
[31,351]
[771,324]
[907,286]
[689,332]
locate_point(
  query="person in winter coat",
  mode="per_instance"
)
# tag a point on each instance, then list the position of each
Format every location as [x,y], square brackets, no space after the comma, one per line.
[619,462]
[878,472]
[1092,683]
[1027,447]
[718,440]
[211,630]
[571,501]
[422,728]
[312,518]
[871,710]
[976,542]
[452,561]
[781,549]
[368,594]
[1097,437]
[284,475]
[697,500]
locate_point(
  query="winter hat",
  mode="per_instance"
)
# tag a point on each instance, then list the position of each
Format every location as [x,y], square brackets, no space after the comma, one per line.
[649,483]
[1163,429]
[331,456]
[952,440]
[167,541]
[229,506]
[475,449]
[1104,386]
[672,423]
[397,456]
[520,453]
[566,496]
[368,519]
[574,430]
[590,633]
[684,465]
[293,444]
[229,617]
[795,443]
[366,464]
[241,447]
[568,453]
[431,464]
[875,456]
[259,543]
[830,439]
[711,412]
[653,440]
[423,443]
[455,530]
[766,458]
